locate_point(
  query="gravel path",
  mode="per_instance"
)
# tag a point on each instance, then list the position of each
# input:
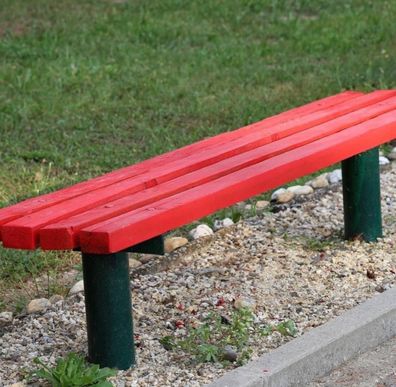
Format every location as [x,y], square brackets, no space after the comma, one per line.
[292,264]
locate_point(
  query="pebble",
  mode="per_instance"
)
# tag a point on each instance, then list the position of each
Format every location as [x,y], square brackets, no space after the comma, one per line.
[229,353]
[245,302]
[383,160]
[56,298]
[201,231]
[277,192]
[299,190]
[38,305]
[226,222]
[261,204]
[320,181]
[78,287]
[282,195]
[380,288]
[134,263]
[6,318]
[174,243]
[285,197]
[335,176]
[392,154]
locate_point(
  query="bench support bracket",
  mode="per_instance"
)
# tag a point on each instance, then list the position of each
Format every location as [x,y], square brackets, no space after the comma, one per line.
[109,310]
[362,197]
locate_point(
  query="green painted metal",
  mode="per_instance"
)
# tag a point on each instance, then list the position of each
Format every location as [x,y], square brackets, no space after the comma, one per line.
[109,310]
[151,246]
[362,196]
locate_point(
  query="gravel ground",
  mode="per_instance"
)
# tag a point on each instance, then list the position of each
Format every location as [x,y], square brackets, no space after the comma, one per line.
[292,264]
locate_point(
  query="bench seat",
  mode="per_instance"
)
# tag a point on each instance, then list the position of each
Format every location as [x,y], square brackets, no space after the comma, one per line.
[131,205]
[131,208]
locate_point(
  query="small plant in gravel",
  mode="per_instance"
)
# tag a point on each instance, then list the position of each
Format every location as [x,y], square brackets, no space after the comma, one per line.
[318,244]
[285,328]
[224,340]
[73,371]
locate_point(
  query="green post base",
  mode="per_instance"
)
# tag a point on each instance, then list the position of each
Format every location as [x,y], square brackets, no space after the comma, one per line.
[109,310]
[362,196]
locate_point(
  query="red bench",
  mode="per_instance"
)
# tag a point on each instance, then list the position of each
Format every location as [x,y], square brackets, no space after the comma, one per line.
[129,209]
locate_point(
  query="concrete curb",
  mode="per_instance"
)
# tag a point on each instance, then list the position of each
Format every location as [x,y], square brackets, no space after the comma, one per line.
[321,349]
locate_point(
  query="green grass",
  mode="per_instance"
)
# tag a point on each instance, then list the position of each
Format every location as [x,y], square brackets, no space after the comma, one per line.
[87,87]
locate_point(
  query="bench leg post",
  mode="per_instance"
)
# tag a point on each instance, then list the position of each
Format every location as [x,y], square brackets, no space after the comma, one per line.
[109,310]
[362,196]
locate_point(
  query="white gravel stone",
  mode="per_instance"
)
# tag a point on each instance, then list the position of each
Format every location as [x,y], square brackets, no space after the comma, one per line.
[201,231]
[38,305]
[383,160]
[277,192]
[299,190]
[6,317]
[78,287]
[335,176]
[320,181]
[226,222]
[392,154]
[282,195]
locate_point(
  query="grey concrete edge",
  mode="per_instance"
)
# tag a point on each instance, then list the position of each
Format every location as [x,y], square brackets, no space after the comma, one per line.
[322,349]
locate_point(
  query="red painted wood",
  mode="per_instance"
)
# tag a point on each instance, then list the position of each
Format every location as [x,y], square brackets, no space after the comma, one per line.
[64,234]
[38,203]
[23,232]
[139,225]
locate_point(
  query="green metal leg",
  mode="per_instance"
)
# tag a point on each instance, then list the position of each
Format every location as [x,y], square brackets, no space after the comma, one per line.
[362,196]
[109,310]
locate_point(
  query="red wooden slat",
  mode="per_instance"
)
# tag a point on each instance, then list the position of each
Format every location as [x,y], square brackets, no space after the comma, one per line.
[139,225]
[63,235]
[25,229]
[37,203]
[23,232]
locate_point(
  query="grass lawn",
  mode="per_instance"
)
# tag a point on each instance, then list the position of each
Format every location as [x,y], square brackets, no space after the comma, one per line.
[87,87]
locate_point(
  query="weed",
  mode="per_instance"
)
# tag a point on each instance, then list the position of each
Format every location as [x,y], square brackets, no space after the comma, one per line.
[386,148]
[208,342]
[236,215]
[20,303]
[317,244]
[285,328]
[73,371]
